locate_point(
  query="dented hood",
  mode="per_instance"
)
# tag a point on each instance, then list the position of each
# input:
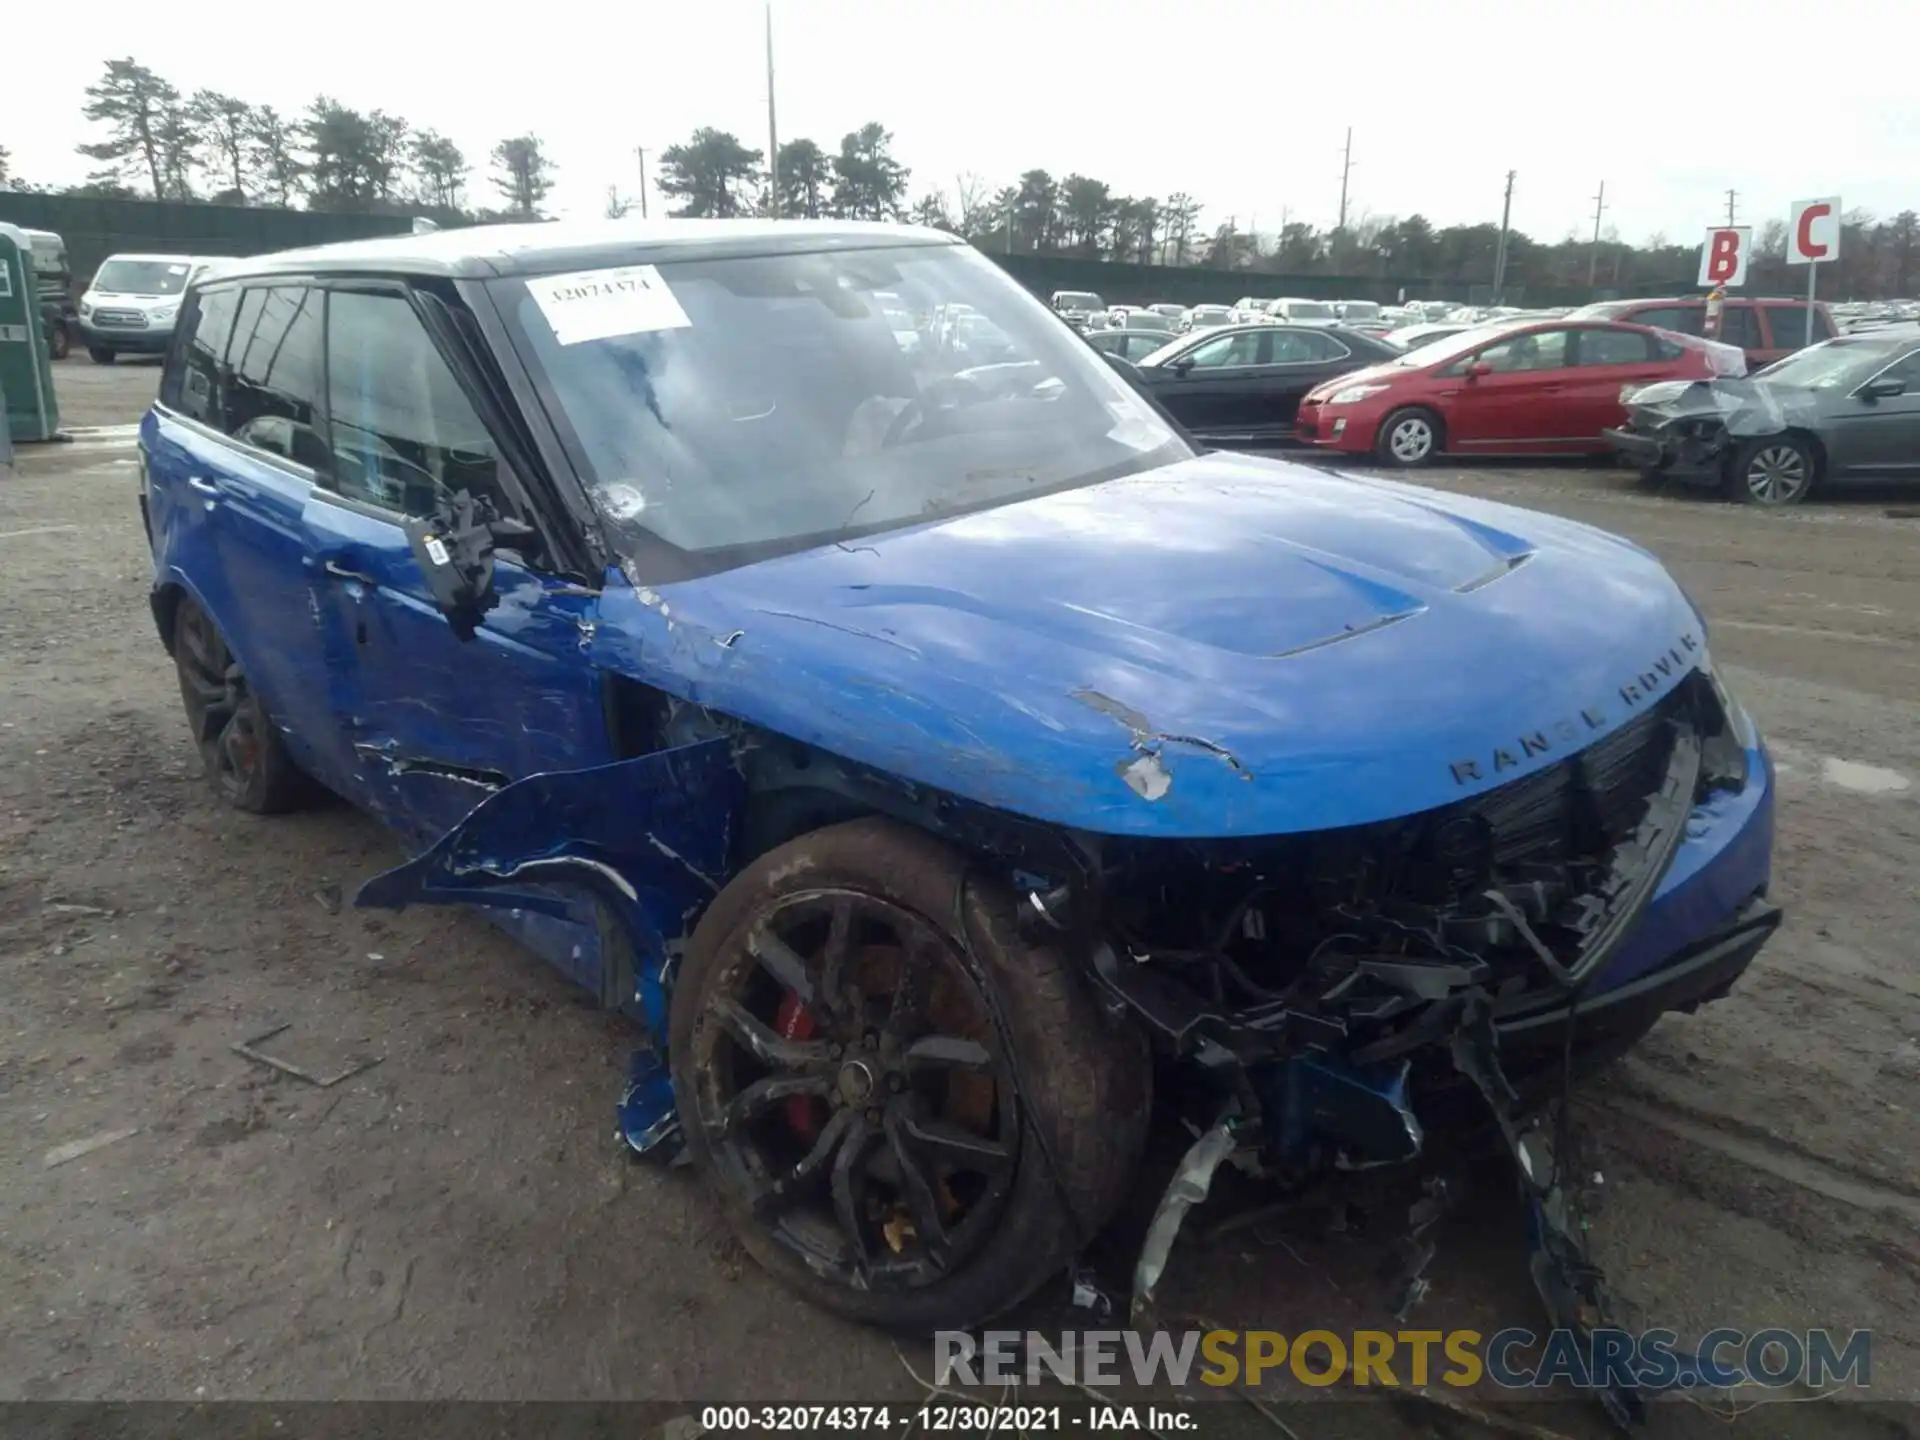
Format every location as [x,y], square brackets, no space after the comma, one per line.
[1226,646]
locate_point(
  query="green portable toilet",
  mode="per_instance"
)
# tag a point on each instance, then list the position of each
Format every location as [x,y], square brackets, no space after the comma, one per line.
[26,370]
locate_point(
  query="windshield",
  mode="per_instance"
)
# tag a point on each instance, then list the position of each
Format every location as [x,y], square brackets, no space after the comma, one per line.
[1309,310]
[1831,366]
[1361,310]
[141,277]
[1078,300]
[728,410]
[1451,345]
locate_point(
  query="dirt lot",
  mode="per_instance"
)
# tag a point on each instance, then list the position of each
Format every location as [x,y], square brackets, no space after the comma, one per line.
[457,1220]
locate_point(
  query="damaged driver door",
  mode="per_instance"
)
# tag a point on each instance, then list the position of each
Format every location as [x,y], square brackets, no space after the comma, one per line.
[438,720]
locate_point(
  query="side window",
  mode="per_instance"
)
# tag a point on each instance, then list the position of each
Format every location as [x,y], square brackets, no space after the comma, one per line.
[405,436]
[1611,347]
[1291,347]
[1324,346]
[192,384]
[1227,350]
[1907,371]
[1740,326]
[1823,325]
[1682,319]
[1538,350]
[272,394]
[1789,326]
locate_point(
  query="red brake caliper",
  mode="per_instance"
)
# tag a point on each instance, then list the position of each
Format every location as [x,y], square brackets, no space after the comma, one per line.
[794,1023]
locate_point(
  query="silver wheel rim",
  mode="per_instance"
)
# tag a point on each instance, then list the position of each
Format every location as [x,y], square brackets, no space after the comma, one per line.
[1777,475]
[1411,439]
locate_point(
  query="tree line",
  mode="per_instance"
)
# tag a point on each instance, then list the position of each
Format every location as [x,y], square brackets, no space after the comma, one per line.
[158,141]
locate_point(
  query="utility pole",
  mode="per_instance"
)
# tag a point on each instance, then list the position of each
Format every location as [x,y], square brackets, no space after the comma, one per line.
[1599,209]
[641,151]
[1500,252]
[773,133]
[1732,195]
[1346,169]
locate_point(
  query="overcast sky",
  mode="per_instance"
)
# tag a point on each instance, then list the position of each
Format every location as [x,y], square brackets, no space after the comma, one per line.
[1242,103]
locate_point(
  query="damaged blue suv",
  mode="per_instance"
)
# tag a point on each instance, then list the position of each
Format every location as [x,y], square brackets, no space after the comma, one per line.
[799,636]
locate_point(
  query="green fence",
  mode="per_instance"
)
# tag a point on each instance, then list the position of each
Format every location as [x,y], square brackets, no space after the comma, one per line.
[96,228]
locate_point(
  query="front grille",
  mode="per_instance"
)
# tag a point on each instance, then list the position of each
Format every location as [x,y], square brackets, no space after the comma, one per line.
[120,319]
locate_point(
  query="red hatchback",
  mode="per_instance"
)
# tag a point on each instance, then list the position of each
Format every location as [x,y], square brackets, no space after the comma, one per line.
[1547,388]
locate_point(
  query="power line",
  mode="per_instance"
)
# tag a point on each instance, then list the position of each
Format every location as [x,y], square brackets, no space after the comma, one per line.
[1599,209]
[1346,169]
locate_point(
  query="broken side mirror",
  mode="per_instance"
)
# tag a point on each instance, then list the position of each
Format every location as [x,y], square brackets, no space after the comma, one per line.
[455,548]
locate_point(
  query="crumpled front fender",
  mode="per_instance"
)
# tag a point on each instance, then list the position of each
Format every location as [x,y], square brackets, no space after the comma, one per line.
[650,838]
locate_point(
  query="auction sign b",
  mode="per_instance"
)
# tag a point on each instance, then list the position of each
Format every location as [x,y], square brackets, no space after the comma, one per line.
[1723,259]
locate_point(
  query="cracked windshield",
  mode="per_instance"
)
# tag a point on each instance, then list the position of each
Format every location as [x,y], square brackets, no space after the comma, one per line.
[789,400]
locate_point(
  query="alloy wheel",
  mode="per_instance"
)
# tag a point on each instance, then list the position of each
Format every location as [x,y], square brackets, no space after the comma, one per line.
[1777,474]
[226,718]
[854,1091]
[1411,440]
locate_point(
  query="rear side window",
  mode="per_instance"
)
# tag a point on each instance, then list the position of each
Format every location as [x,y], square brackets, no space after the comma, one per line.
[1740,325]
[1789,326]
[193,382]
[1610,347]
[405,436]
[1682,319]
[274,366]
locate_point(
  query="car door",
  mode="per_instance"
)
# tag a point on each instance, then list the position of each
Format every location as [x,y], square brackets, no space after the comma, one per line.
[229,470]
[1606,362]
[437,722]
[1519,403]
[1209,387]
[1293,362]
[1880,436]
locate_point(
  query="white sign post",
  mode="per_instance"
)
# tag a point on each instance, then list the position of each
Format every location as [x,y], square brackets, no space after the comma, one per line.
[1813,236]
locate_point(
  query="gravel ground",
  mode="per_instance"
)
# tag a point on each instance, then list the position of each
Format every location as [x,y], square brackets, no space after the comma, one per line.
[456,1221]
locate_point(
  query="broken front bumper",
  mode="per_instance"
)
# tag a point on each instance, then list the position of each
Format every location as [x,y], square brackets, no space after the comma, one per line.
[1683,457]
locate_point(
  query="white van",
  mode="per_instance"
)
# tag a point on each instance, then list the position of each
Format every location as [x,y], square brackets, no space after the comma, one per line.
[130,307]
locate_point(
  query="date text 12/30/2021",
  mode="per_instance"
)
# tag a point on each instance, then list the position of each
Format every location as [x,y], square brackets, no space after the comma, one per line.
[939,1418]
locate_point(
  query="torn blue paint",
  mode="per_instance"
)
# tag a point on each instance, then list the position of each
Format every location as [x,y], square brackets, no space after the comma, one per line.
[649,1121]
[651,839]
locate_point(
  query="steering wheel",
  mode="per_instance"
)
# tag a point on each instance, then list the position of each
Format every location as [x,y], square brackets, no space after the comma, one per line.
[949,392]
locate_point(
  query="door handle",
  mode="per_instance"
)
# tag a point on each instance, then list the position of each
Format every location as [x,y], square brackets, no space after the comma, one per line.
[203,485]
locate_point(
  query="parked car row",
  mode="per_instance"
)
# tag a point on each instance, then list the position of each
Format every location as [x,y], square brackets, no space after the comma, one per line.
[1089,314]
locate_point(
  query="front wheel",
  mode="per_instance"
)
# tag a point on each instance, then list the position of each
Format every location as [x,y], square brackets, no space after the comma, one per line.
[100,356]
[1409,437]
[1775,471]
[896,1096]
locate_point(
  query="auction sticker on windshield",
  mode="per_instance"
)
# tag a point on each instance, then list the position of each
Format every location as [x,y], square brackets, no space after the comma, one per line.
[599,304]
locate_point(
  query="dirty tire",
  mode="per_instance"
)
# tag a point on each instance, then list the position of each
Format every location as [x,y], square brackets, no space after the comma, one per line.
[99,356]
[1409,437]
[247,762]
[1085,1077]
[1772,472]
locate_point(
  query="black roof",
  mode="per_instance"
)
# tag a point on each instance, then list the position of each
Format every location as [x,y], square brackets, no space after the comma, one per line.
[486,251]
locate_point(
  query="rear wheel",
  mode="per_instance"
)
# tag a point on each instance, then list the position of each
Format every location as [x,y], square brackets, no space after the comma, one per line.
[100,356]
[247,762]
[1409,437]
[868,1058]
[58,342]
[1775,471]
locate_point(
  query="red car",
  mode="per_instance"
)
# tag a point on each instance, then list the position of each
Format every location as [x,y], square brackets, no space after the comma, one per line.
[1546,388]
